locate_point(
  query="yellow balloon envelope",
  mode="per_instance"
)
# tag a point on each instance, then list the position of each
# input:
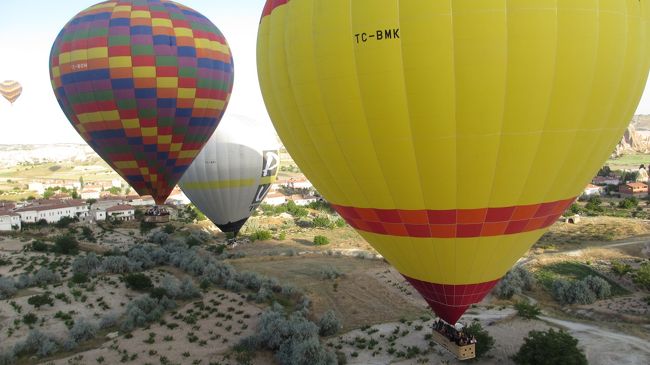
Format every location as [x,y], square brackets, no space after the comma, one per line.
[451,134]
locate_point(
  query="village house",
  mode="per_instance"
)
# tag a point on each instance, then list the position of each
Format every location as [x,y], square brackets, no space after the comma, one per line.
[53,212]
[90,193]
[303,200]
[274,198]
[9,220]
[592,190]
[123,212]
[633,189]
[606,180]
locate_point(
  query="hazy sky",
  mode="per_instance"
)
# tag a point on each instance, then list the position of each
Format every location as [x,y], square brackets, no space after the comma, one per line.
[28,29]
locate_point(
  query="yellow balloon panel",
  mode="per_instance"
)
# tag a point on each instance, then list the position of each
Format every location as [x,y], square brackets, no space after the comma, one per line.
[452,105]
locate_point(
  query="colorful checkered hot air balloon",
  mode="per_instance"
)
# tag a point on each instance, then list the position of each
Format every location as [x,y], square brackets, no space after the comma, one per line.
[451,134]
[145,83]
[11,90]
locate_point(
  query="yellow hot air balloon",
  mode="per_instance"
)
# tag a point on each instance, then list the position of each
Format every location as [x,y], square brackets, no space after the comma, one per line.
[11,90]
[451,134]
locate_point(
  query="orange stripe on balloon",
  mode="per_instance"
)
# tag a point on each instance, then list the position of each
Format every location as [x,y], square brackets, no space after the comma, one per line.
[454,223]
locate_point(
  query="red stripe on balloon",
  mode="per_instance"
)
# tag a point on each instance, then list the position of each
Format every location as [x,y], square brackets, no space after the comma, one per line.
[271,5]
[454,223]
[451,301]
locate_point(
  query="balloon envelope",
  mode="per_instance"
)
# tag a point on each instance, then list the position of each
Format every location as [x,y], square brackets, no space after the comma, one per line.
[145,83]
[233,173]
[11,90]
[451,134]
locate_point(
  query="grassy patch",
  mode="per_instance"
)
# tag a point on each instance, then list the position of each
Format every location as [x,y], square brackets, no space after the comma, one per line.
[573,271]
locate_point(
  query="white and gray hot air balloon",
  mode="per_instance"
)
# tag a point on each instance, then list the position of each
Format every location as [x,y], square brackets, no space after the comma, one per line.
[233,173]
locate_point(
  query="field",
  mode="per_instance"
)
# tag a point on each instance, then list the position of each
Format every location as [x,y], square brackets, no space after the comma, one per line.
[383,320]
[628,162]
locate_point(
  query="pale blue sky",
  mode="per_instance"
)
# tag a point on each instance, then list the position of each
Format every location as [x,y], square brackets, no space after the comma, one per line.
[28,29]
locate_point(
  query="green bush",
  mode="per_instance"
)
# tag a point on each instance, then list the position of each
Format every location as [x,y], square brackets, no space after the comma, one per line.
[169,228]
[40,300]
[79,278]
[642,276]
[621,269]
[29,319]
[322,222]
[138,281]
[527,310]
[550,348]
[261,235]
[484,342]
[66,244]
[321,241]
[295,210]
[39,246]
[628,203]
[64,222]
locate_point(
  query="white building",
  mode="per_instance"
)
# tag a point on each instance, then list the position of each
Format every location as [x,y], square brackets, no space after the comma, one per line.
[274,198]
[140,201]
[99,215]
[303,200]
[9,220]
[90,193]
[177,197]
[121,212]
[52,213]
[592,190]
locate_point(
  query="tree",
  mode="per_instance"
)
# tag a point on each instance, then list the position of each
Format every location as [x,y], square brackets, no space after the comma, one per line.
[604,171]
[328,325]
[484,342]
[527,310]
[594,203]
[66,244]
[628,203]
[39,246]
[40,300]
[138,281]
[550,348]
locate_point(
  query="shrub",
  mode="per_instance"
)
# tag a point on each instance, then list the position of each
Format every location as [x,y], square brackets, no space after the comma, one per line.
[87,234]
[66,244]
[642,276]
[159,238]
[628,203]
[549,348]
[321,241]
[39,246]
[109,320]
[261,235]
[146,227]
[322,222]
[599,286]
[143,310]
[329,324]
[7,288]
[307,352]
[37,343]
[527,310]
[586,291]
[119,265]
[138,281]
[45,276]
[79,278]
[330,273]
[88,264]
[295,210]
[64,222]
[83,330]
[29,319]
[187,290]
[484,342]
[514,282]
[40,300]
[621,269]
[141,255]
[169,228]
[7,357]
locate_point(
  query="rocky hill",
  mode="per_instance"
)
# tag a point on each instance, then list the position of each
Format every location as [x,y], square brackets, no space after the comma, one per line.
[636,138]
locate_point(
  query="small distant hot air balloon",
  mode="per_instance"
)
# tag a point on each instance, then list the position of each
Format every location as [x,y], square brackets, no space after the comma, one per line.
[451,134]
[233,173]
[145,83]
[11,90]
